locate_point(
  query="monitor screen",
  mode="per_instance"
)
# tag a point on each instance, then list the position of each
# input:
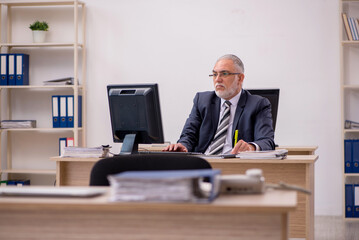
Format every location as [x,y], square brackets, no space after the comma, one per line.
[135,115]
[273,96]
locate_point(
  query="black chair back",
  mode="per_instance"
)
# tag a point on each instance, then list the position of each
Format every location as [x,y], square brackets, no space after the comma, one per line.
[273,96]
[143,162]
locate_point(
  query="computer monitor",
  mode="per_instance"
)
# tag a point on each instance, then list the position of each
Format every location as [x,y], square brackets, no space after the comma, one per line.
[273,97]
[135,115]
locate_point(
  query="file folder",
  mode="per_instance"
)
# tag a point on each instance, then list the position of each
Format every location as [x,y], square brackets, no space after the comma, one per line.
[356,201]
[63,111]
[348,155]
[70,111]
[70,142]
[11,69]
[349,200]
[62,145]
[55,112]
[3,69]
[355,156]
[22,69]
[18,182]
[168,186]
[80,112]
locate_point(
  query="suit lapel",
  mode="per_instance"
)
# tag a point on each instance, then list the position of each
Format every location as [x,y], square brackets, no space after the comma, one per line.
[216,106]
[240,106]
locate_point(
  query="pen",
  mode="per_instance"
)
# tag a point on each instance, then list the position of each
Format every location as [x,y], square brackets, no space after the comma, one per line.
[235,137]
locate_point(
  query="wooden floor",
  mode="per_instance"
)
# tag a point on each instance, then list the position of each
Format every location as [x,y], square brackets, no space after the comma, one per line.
[335,228]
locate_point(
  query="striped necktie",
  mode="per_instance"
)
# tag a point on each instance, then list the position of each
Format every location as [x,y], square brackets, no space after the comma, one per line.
[220,136]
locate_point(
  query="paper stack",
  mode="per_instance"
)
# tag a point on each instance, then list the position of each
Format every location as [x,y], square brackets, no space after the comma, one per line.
[60,81]
[274,154]
[83,152]
[18,124]
[165,186]
[351,124]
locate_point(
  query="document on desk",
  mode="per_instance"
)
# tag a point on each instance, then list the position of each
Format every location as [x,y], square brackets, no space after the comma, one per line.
[83,152]
[273,154]
[165,186]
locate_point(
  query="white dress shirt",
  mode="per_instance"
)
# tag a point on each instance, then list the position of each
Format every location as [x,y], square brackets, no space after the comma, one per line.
[228,144]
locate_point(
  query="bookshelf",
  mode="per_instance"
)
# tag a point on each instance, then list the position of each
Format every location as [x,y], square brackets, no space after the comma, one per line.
[67,20]
[349,89]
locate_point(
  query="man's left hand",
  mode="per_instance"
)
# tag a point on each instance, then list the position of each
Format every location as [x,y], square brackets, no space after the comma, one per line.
[242,146]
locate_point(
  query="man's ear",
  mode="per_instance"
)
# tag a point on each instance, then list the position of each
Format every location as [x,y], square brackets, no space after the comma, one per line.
[241,78]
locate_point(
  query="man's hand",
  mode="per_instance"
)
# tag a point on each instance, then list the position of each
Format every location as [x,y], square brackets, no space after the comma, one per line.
[242,146]
[176,147]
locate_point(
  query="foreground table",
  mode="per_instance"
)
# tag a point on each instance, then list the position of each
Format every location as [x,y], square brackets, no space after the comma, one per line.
[296,169]
[262,216]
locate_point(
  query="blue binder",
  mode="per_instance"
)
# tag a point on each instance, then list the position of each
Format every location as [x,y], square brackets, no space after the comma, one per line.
[356,200]
[355,155]
[80,112]
[22,69]
[349,200]
[3,69]
[63,110]
[70,111]
[62,144]
[18,182]
[11,69]
[55,112]
[348,161]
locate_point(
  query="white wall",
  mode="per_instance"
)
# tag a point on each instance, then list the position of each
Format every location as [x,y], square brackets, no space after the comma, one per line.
[291,45]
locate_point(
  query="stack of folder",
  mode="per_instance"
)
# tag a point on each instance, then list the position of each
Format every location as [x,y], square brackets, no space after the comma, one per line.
[351,157]
[165,186]
[60,81]
[351,197]
[18,124]
[63,111]
[14,69]
[83,152]
[273,154]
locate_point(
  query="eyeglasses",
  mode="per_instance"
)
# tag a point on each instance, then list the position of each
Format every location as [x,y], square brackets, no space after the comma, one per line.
[222,74]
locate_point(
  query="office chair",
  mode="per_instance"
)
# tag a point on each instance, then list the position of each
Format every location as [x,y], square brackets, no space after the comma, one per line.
[273,96]
[143,162]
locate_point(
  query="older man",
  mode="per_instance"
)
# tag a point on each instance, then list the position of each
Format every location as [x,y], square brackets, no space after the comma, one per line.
[229,119]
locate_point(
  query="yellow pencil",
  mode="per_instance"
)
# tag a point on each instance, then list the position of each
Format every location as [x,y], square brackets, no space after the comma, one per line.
[235,137]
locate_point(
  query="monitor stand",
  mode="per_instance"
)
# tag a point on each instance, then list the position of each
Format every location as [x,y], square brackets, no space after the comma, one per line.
[129,145]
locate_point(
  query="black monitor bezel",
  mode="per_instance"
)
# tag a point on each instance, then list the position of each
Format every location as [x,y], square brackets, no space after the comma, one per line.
[157,111]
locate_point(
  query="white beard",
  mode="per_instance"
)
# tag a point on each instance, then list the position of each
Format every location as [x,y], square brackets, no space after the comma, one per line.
[227,92]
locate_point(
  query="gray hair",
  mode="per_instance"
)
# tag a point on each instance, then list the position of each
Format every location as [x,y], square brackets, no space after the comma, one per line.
[236,60]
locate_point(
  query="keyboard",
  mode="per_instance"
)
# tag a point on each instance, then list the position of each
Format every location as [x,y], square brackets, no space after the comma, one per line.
[31,191]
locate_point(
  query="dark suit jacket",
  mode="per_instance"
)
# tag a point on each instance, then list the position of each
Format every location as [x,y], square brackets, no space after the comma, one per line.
[253,119]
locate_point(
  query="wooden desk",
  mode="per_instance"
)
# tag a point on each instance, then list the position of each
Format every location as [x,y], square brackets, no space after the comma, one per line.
[262,216]
[300,150]
[298,170]
[292,150]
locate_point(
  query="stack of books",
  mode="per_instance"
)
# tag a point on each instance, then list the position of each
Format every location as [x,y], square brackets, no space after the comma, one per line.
[18,124]
[165,186]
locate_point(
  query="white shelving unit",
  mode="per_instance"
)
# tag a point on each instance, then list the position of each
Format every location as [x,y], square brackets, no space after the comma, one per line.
[349,86]
[75,43]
